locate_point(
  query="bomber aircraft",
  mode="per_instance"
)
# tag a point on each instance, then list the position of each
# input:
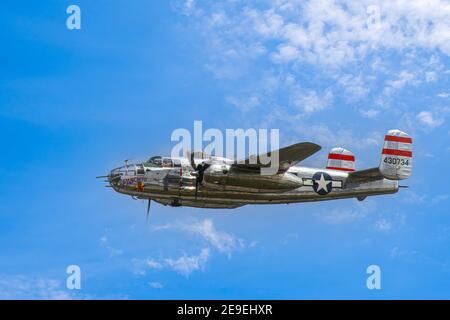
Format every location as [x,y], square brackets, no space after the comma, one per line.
[204,181]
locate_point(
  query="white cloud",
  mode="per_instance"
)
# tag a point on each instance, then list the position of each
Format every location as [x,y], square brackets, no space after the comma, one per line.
[431,76]
[383,225]
[156,285]
[337,32]
[428,119]
[286,53]
[339,215]
[404,78]
[222,241]
[185,264]
[439,198]
[189,7]
[139,267]
[369,113]
[443,95]
[355,87]
[219,240]
[105,243]
[342,216]
[244,104]
[311,101]
[22,287]
[342,137]
[153,264]
[413,198]
[281,53]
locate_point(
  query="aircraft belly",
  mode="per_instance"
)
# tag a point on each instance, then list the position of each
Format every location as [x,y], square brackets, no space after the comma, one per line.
[318,185]
[302,194]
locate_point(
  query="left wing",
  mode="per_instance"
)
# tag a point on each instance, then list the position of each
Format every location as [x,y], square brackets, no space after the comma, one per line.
[287,157]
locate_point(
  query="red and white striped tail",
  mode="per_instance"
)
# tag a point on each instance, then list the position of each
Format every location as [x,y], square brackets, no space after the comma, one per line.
[396,157]
[341,159]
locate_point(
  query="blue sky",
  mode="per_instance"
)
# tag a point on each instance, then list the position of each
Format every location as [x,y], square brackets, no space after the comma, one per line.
[74,104]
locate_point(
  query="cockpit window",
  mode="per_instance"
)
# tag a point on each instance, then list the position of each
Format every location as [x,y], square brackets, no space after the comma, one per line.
[176,163]
[154,162]
[167,162]
[140,169]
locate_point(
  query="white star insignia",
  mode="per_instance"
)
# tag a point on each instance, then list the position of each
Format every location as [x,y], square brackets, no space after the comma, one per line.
[322,183]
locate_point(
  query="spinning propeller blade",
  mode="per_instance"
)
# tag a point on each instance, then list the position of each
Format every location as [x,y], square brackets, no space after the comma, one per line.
[148,208]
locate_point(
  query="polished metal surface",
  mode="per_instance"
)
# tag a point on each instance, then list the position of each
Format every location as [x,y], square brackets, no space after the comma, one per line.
[176,186]
[206,181]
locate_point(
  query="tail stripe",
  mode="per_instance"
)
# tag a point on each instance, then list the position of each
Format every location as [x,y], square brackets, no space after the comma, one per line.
[341,169]
[398,139]
[395,152]
[396,157]
[345,157]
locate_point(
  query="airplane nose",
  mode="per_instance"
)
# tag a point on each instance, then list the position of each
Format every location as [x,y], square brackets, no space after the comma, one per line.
[114,176]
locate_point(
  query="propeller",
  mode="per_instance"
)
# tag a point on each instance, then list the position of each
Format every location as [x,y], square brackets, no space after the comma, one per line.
[148,208]
[199,171]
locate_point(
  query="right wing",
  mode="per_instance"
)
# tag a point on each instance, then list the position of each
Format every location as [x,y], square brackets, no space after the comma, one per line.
[287,157]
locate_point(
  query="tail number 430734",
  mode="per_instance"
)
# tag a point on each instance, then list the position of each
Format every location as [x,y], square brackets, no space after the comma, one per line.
[390,160]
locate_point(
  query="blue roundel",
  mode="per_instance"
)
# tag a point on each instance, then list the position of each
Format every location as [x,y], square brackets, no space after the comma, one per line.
[322,183]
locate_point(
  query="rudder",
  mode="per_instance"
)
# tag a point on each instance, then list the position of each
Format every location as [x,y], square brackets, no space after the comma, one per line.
[396,157]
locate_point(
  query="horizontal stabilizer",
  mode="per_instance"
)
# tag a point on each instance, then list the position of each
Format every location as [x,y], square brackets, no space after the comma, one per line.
[363,176]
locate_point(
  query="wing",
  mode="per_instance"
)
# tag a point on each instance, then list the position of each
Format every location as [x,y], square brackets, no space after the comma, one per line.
[367,175]
[287,157]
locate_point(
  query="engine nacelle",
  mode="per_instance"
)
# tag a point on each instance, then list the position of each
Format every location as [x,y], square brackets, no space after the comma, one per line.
[224,178]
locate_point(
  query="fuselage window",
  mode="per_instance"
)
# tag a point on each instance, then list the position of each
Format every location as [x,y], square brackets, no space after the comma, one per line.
[167,163]
[154,162]
[176,163]
[140,169]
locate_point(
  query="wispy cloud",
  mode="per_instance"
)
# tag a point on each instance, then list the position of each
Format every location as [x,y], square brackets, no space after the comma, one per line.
[282,50]
[244,104]
[369,113]
[105,243]
[428,119]
[23,287]
[185,264]
[156,285]
[340,215]
[310,101]
[403,79]
[367,212]
[383,225]
[219,240]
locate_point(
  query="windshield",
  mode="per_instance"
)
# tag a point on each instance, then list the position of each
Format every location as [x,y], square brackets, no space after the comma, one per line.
[154,162]
[129,170]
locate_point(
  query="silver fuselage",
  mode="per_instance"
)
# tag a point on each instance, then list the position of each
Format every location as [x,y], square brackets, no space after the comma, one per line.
[175,186]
